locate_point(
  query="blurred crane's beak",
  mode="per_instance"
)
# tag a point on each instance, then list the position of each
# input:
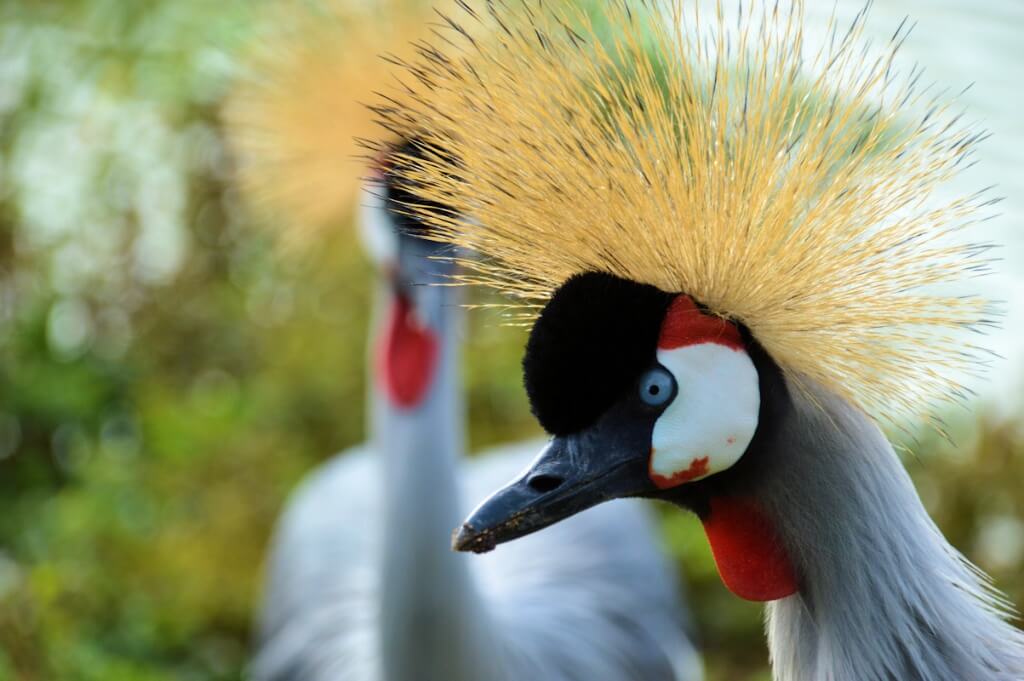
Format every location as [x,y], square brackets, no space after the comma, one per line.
[574,472]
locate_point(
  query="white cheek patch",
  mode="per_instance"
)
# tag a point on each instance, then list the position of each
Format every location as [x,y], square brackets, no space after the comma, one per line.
[712,419]
[376,227]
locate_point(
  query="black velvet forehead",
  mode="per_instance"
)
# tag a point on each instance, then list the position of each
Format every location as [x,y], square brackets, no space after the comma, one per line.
[593,338]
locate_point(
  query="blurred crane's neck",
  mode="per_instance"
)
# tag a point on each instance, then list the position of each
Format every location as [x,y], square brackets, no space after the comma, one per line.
[433,625]
[883,595]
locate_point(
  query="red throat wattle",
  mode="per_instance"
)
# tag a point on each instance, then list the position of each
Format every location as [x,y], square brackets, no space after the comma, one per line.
[406,355]
[751,560]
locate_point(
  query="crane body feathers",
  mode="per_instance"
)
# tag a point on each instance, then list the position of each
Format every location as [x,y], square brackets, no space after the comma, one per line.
[557,599]
[884,595]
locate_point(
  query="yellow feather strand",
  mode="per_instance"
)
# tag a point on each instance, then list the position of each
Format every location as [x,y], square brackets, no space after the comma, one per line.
[793,190]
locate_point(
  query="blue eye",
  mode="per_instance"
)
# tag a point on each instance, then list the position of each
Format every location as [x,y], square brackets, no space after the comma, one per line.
[657,387]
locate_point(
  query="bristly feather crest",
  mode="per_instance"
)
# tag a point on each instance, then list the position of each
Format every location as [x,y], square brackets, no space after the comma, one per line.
[795,193]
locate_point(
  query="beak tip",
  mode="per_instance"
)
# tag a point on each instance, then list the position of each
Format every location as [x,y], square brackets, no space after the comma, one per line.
[468,539]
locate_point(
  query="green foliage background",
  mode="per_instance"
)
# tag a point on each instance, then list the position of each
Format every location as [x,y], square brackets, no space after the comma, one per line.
[165,379]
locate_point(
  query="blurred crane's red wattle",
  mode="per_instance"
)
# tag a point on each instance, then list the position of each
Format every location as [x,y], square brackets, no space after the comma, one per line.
[406,355]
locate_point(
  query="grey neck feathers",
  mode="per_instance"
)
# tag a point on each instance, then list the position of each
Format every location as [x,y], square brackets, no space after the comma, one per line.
[884,596]
[433,623]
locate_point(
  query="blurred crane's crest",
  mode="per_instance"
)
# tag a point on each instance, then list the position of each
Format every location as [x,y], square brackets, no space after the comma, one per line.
[294,115]
[798,194]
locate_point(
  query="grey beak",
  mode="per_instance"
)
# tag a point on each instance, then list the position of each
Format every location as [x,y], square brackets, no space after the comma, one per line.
[574,472]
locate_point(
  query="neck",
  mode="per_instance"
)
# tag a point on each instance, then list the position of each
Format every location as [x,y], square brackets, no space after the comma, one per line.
[883,595]
[433,625]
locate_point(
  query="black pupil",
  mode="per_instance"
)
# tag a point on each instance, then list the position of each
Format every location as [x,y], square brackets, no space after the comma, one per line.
[654,390]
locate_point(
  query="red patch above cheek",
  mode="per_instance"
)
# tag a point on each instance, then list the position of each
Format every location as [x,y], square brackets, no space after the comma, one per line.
[685,324]
[751,560]
[698,469]
[406,355]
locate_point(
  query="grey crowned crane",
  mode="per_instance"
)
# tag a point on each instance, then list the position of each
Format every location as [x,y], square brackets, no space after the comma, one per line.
[738,259]
[362,582]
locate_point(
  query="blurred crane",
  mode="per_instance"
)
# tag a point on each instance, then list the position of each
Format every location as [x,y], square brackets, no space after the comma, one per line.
[363,584]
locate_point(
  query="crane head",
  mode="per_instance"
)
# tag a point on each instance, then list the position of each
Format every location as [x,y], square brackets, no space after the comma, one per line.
[407,349]
[757,202]
[644,394]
